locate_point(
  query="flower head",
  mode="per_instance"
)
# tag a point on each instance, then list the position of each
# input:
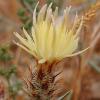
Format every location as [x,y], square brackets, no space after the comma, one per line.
[50,38]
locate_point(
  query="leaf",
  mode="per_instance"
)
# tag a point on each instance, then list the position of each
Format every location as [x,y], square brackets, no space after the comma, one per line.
[8,72]
[94,66]
[67,95]
[4,54]
[94,63]
[21,12]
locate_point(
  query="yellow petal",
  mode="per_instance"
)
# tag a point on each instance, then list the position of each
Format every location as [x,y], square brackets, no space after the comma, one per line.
[56,13]
[34,14]
[23,47]
[49,42]
[41,14]
[42,61]
[77,53]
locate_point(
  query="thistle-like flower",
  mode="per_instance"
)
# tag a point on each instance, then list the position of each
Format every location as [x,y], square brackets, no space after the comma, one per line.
[50,38]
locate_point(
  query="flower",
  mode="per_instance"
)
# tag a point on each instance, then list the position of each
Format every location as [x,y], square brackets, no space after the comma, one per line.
[50,38]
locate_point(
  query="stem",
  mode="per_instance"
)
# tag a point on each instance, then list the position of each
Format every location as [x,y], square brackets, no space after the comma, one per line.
[79,76]
[78,80]
[77,86]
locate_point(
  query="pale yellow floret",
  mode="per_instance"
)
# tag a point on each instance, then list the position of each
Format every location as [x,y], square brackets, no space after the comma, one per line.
[51,39]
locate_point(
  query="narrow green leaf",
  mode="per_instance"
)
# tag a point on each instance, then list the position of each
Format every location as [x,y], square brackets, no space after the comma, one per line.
[94,66]
[69,97]
[68,94]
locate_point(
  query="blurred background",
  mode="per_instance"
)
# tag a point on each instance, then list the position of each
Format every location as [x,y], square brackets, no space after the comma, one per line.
[82,70]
